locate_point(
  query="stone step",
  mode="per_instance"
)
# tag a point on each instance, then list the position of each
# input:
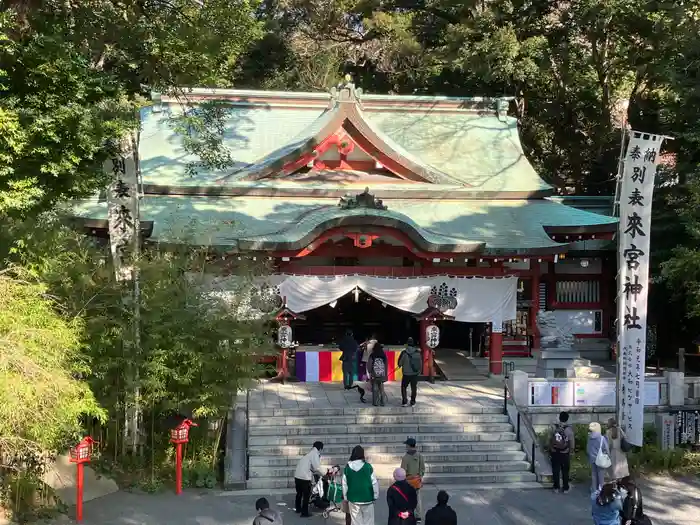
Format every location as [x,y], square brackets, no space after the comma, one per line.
[465,408]
[374,439]
[426,448]
[319,431]
[431,458]
[478,478]
[374,419]
[385,471]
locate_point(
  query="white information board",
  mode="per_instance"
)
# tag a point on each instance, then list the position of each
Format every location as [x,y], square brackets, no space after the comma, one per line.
[584,393]
[551,393]
[602,393]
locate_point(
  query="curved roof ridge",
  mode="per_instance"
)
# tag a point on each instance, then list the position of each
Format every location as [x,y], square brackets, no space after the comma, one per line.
[322,218]
[344,108]
[302,143]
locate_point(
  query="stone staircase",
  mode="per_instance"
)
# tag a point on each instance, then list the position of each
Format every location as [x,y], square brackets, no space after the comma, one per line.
[461,445]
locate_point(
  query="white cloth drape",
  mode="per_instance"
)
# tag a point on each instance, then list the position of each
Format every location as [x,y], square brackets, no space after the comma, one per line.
[479,300]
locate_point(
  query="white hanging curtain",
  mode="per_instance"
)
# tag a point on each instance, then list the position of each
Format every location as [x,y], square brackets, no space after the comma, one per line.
[476,300]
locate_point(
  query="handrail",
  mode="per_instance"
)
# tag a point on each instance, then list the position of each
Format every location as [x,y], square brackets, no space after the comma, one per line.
[527,421]
[508,366]
[247,432]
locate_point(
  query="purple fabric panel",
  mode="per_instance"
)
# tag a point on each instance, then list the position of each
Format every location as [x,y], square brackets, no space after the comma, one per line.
[301,366]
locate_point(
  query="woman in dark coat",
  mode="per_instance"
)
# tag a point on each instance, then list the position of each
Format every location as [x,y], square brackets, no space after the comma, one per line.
[402,500]
[632,506]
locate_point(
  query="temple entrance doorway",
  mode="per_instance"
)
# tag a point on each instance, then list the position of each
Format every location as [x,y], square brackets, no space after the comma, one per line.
[361,313]
[459,344]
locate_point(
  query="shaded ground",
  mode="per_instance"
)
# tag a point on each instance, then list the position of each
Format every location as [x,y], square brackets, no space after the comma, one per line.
[667,502]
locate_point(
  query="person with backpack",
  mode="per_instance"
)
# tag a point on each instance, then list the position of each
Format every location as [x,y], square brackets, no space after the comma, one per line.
[377,368]
[411,363]
[561,445]
[619,446]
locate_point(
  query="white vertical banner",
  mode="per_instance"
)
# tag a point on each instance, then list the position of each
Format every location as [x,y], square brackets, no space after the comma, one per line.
[633,283]
[123,207]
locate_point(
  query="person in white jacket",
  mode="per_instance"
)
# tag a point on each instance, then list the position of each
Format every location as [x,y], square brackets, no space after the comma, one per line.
[360,488]
[303,478]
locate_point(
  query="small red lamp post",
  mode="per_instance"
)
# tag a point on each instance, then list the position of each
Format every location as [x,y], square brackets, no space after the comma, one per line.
[80,454]
[179,436]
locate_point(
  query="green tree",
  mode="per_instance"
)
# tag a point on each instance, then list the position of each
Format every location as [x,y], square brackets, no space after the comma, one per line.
[42,401]
[73,74]
[198,342]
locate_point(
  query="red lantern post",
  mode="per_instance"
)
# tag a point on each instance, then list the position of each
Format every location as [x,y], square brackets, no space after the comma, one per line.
[179,436]
[80,454]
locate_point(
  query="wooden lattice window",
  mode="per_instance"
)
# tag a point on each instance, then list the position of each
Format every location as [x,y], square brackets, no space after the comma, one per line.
[578,292]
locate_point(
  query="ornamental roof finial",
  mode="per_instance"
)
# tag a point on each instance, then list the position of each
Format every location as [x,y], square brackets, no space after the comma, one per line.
[346,91]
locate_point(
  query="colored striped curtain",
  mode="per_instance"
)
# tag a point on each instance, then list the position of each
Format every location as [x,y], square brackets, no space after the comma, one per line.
[325,366]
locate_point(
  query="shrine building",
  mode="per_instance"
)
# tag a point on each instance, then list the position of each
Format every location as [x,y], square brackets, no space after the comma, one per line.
[399,216]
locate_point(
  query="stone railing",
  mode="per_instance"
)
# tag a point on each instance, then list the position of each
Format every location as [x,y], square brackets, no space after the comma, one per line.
[668,393]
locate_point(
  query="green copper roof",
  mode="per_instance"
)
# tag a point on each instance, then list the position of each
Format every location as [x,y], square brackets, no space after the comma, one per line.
[251,134]
[479,150]
[462,147]
[256,222]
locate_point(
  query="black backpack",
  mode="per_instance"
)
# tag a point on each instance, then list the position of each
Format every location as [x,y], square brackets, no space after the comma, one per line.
[559,441]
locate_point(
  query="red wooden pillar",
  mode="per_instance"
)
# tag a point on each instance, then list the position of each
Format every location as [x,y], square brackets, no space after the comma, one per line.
[607,301]
[283,364]
[535,306]
[496,350]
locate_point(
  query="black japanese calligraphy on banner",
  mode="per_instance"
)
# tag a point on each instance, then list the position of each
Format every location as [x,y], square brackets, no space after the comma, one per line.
[687,428]
[123,209]
[637,189]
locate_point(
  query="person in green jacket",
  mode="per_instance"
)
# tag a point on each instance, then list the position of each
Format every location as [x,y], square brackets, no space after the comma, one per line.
[414,465]
[360,488]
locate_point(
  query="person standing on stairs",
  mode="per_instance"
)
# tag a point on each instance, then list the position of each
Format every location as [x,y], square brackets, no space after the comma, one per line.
[378,372]
[414,465]
[410,362]
[366,352]
[303,478]
[349,349]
